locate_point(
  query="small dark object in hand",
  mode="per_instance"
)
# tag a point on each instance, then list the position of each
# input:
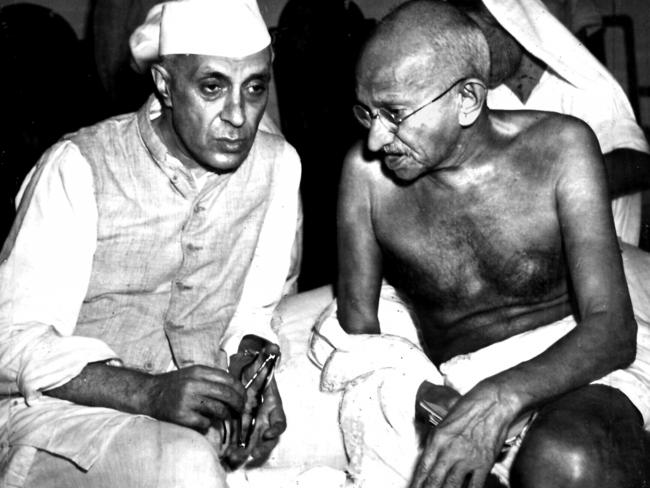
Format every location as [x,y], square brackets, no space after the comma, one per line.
[269,364]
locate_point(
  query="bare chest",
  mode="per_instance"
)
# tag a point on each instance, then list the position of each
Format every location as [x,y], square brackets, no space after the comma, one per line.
[461,255]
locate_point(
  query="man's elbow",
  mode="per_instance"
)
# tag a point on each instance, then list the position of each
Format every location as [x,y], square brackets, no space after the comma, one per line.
[625,352]
[355,323]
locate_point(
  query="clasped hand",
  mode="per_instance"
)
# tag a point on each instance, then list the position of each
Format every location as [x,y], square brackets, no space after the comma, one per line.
[201,397]
[256,432]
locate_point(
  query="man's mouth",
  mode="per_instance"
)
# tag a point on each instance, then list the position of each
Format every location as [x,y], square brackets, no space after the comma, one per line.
[231,145]
[393,161]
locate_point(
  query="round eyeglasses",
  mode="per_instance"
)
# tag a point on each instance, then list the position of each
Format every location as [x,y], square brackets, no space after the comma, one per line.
[390,119]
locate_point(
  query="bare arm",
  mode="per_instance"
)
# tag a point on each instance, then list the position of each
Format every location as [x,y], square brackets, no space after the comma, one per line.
[604,338]
[359,280]
[194,397]
[628,171]
[470,437]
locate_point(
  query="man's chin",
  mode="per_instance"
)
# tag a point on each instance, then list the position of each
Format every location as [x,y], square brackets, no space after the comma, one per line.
[401,167]
[226,163]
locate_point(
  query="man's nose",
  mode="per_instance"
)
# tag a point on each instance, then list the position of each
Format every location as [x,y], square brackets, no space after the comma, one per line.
[378,135]
[233,110]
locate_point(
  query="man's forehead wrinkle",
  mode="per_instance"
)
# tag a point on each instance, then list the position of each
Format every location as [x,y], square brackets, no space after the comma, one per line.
[227,68]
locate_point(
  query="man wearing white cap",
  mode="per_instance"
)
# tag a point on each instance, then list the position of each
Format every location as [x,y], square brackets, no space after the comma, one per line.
[148,251]
[538,65]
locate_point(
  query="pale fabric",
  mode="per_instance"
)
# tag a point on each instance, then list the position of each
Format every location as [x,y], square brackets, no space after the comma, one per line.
[310,453]
[316,477]
[145,39]
[379,377]
[144,454]
[312,438]
[575,83]
[44,277]
[228,28]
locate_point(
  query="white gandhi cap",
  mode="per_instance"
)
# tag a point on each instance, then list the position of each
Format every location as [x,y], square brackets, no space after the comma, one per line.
[227,28]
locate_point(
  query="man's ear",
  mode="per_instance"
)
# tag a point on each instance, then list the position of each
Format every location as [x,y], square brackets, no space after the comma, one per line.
[473,95]
[162,80]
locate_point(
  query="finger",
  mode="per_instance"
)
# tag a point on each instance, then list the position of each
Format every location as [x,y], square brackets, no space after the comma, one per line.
[194,420]
[260,448]
[271,348]
[273,410]
[440,472]
[425,463]
[274,431]
[202,382]
[240,453]
[262,451]
[277,424]
[235,456]
[246,426]
[238,362]
[214,375]
[456,477]
[213,409]
[479,477]
[232,397]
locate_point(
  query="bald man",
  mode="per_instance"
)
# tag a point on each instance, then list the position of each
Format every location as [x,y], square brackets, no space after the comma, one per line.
[139,281]
[495,228]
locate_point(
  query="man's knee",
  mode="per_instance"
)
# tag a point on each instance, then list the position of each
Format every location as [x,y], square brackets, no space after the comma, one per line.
[188,459]
[144,453]
[591,437]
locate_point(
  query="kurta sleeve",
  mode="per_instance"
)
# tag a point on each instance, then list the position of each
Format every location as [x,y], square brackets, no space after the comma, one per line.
[45,268]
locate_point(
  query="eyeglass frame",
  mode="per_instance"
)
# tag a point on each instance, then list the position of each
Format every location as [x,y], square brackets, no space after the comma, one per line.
[390,120]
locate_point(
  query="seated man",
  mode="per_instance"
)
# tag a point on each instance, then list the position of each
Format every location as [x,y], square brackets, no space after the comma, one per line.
[148,250]
[495,228]
[538,65]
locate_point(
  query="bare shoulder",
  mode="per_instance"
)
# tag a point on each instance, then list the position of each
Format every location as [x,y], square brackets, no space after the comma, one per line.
[361,165]
[551,139]
[362,173]
[559,131]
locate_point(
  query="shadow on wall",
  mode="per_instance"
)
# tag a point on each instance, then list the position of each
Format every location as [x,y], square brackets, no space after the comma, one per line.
[316,45]
[47,87]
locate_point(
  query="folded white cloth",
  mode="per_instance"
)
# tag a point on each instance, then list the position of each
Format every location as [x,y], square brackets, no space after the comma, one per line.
[344,358]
